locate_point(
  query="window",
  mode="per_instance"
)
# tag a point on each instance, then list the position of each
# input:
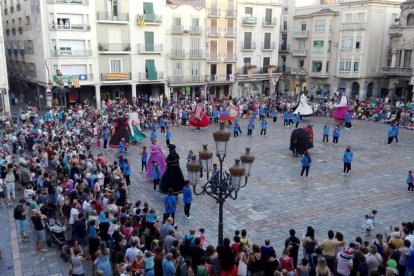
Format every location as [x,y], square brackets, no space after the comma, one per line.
[346,43]
[71,70]
[316,66]
[301,44]
[320,26]
[248,11]
[30,44]
[345,66]
[266,44]
[266,62]
[7,23]
[150,71]
[27,20]
[356,66]
[149,41]
[361,17]
[177,21]
[285,25]
[410,20]
[247,61]
[115,65]
[20,21]
[358,45]
[63,23]
[301,63]
[348,18]
[318,46]
[327,67]
[303,27]
[407,58]
[268,16]
[149,12]
[247,40]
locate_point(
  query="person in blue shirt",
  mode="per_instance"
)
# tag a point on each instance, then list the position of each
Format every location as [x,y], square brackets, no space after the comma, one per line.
[253,118]
[263,127]
[348,121]
[250,127]
[168,267]
[127,172]
[162,124]
[305,160]
[105,138]
[348,155]
[410,181]
[237,120]
[187,198]
[396,130]
[236,127]
[144,158]
[286,118]
[336,134]
[390,134]
[153,135]
[121,146]
[170,203]
[297,119]
[261,113]
[290,117]
[274,115]
[153,126]
[184,118]
[156,174]
[325,133]
[216,116]
[168,136]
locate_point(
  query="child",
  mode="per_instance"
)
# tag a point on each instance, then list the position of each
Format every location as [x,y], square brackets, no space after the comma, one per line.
[167,136]
[285,118]
[189,156]
[336,134]
[214,171]
[325,133]
[156,174]
[290,117]
[98,142]
[144,157]
[121,146]
[162,125]
[372,215]
[264,127]
[105,138]
[410,181]
[369,225]
[274,115]
[250,127]
[153,135]
[201,236]
[297,119]
[236,130]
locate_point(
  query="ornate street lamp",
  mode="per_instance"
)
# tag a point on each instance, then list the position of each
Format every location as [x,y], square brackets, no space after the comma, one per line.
[206,159]
[222,185]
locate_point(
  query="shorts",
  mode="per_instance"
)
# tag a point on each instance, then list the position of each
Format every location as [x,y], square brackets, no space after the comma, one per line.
[41,235]
[22,225]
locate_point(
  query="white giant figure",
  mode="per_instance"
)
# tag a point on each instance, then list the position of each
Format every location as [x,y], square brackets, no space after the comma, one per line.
[303,107]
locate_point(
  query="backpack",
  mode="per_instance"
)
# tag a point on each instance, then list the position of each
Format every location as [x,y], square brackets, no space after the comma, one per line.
[310,247]
[188,241]
[16,213]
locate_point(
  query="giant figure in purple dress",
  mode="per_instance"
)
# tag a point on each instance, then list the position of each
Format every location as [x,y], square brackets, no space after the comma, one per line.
[341,108]
[158,156]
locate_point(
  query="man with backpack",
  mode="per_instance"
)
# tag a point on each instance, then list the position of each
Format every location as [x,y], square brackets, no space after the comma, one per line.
[188,241]
[19,214]
[292,244]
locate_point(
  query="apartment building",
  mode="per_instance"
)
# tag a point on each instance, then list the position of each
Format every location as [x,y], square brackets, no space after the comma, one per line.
[399,65]
[258,37]
[4,84]
[185,58]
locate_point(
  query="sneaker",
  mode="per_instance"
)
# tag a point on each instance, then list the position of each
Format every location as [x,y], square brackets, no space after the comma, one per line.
[189,217]
[343,173]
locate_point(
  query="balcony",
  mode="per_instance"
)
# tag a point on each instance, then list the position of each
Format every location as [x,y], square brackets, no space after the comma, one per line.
[249,21]
[214,12]
[109,17]
[353,26]
[83,2]
[221,78]
[18,7]
[125,76]
[231,13]
[145,77]
[150,48]
[397,71]
[248,46]
[301,34]
[186,79]
[152,19]
[268,47]
[120,48]
[319,74]
[196,54]
[231,32]
[230,58]
[300,53]
[214,58]
[284,48]
[69,27]
[215,32]
[176,29]
[395,31]
[71,53]
[177,54]
[20,29]
[195,30]
[269,22]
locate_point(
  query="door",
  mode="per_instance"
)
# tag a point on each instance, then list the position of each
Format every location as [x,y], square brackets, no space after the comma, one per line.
[213,71]
[213,24]
[151,72]
[213,50]
[247,40]
[195,71]
[268,16]
[177,71]
[149,15]
[230,50]
[230,28]
[149,41]
[267,40]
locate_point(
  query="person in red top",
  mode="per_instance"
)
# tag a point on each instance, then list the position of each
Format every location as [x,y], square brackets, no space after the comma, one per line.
[286,262]
[235,246]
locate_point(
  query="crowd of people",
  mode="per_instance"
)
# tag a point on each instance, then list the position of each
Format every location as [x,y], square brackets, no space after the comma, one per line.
[55,164]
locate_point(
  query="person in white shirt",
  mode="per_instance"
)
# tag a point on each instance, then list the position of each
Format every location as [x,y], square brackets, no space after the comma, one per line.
[132,253]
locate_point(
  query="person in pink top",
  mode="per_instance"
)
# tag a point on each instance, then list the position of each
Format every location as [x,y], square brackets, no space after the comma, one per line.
[158,156]
[69,185]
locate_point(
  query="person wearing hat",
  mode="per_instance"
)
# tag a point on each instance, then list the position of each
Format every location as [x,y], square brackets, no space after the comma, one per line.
[344,262]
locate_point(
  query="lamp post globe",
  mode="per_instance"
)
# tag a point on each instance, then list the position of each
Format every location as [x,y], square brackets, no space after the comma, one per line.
[247,160]
[237,173]
[221,137]
[193,168]
[206,159]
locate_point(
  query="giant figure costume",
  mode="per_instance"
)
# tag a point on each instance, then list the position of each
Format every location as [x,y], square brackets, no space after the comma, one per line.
[303,107]
[301,140]
[199,118]
[341,108]
[173,177]
[136,135]
[121,131]
[158,156]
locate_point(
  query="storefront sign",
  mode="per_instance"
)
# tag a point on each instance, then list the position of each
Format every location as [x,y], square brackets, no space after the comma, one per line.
[66,78]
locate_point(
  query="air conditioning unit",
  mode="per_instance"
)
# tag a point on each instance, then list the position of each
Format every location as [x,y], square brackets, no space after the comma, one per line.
[231,77]
[216,77]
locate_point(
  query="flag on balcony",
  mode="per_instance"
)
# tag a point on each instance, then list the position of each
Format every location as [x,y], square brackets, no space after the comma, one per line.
[141,20]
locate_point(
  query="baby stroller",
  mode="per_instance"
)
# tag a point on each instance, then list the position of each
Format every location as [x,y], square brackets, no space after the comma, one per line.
[55,231]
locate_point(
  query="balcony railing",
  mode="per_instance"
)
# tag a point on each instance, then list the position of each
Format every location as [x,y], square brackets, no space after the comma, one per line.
[214,58]
[249,20]
[152,19]
[231,32]
[214,12]
[268,46]
[83,2]
[177,53]
[71,53]
[177,29]
[301,34]
[110,16]
[269,22]
[70,27]
[231,13]
[186,79]
[246,47]
[124,76]
[150,48]
[196,54]
[353,26]
[195,30]
[395,31]
[284,48]
[221,78]
[299,52]
[157,76]
[230,58]
[214,32]
[114,47]
[397,71]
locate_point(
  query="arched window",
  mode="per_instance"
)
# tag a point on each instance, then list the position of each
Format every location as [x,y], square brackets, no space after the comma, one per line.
[410,19]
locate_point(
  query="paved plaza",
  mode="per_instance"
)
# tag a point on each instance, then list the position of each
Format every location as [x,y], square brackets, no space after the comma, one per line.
[276,197]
